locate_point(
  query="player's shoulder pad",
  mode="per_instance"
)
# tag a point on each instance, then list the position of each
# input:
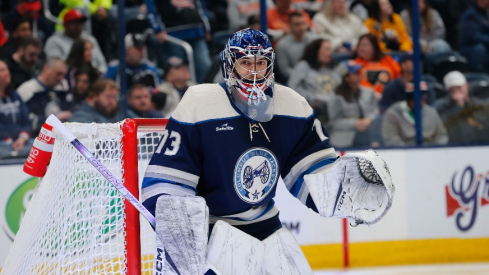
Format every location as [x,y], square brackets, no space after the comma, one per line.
[202,103]
[289,103]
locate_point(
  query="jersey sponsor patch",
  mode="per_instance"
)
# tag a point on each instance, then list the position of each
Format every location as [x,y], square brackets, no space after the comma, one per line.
[255,174]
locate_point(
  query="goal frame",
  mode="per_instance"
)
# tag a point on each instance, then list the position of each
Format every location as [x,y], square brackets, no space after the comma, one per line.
[130,176]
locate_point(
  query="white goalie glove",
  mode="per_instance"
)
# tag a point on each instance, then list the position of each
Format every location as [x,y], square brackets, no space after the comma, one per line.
[358,186]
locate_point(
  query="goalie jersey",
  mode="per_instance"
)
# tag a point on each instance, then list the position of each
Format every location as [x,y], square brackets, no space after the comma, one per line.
[211,149]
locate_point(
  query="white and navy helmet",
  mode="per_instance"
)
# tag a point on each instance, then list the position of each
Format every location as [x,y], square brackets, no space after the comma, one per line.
[255,44]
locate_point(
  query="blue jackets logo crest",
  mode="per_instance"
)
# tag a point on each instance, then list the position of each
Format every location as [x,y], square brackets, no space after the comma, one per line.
[255,174]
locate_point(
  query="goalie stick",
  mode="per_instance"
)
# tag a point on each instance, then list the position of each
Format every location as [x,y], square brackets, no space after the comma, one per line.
[56,123]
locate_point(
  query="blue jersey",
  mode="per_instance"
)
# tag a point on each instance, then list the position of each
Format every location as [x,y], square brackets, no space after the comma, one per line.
[211,149]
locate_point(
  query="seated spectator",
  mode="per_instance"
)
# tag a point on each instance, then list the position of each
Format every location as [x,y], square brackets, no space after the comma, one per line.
[101,104]
[139,100]
[60,44]
[396,90]
[138,69]
[177,81]
[84,77]
[388,27]
[291,46]
[98,10]
[399,128]
[338,25]
[20,28]
[239,11]
[465,117]
[80,55]
[15,126]
[186,21]
[314,78]
[254,22]
[158,101]
[24,63]
[352,110]
[31,11]
[360,8]
[432,29]
[278,18]
[377,69]
[46,94]
[474,35]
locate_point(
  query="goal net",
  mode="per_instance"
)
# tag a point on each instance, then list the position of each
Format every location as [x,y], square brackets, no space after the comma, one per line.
[76,221]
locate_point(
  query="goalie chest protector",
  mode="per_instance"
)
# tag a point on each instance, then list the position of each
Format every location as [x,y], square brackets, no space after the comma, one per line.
[211,149]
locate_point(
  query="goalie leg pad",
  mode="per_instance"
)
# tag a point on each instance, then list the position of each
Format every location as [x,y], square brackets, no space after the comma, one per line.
[283,255]
[233,252]
[182,225]
[358,186]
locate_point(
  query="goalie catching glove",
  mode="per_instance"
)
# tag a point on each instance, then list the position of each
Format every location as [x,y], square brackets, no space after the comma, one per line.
[358,186]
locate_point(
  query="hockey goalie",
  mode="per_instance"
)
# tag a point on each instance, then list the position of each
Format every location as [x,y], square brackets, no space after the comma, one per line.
[214,173]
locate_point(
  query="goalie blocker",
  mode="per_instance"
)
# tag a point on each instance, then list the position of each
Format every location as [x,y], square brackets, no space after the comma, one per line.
[358,186]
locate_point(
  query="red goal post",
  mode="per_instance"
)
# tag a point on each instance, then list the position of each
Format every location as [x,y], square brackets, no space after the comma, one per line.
[130,129]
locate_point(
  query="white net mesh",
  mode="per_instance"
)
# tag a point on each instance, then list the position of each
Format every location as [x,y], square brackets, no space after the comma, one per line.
[75,222]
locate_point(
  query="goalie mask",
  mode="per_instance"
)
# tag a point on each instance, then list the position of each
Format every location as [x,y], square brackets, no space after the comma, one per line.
[247,66]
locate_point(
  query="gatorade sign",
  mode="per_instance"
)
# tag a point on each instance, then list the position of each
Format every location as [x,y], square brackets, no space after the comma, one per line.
[17,205]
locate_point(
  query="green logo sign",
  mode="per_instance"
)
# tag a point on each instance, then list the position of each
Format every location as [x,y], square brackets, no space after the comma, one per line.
[17,205]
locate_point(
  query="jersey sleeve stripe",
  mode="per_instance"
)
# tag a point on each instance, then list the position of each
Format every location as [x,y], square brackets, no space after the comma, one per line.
[300,190]
[299,184]
[305,164]
[155,171]
[168,178]
[166,188]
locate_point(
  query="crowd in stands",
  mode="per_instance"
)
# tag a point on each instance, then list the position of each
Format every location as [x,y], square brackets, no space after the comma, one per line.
[351,60]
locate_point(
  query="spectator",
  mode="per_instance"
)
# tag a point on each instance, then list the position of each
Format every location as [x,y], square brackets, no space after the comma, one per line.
[31,11]
[395,91]
[474,35]
[314,78]
[177,76]
[291,47]
[187,21]
[432,29]
[360,8]
[84,77]
[101,104]
[20,28]
[15,126]
[138,69]
[80,55]
[388,27]
[278,18]
[465,117]
[398,125]
[239,11]
[24,63]
[378,69]
[353,109]
[46,94]
[139,100]
[254,22]
[341,27]
[99,15]
[60,44]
